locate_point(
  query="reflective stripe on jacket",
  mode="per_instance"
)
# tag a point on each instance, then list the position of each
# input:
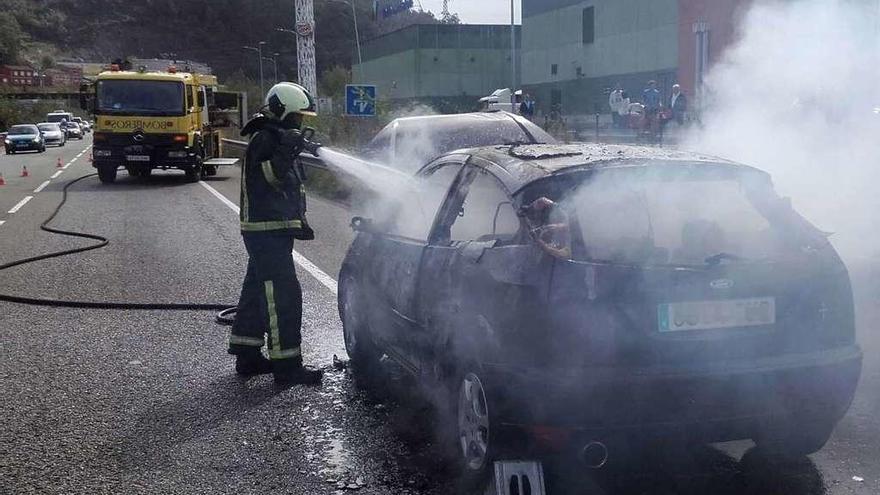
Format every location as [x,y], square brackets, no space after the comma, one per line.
[272,194]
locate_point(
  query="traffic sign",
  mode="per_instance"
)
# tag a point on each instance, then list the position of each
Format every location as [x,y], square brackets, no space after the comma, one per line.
[360,100]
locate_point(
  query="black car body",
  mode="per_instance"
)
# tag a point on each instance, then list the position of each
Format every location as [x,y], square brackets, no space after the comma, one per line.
[24,137]
[602,292]
[407,143]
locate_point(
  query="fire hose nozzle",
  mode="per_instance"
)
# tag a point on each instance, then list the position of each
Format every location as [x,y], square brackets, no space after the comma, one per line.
[308,144]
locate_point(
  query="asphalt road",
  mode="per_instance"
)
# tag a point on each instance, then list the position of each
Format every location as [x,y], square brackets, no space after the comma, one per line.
[147,402]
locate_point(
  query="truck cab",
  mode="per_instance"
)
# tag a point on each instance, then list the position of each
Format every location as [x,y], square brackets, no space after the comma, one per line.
[159,120]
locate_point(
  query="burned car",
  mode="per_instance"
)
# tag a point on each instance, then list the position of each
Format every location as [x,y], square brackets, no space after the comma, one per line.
[409,141]
[584,296]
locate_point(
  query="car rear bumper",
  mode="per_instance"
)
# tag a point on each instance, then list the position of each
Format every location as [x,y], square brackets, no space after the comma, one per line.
[722,401]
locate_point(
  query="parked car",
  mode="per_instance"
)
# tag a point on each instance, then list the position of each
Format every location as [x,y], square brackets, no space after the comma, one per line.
[599,293]
[52,134]
[74,131]
[409,142]
[24,137]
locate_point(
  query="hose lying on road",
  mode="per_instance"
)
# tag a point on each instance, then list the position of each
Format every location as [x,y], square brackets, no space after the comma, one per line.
[223,318]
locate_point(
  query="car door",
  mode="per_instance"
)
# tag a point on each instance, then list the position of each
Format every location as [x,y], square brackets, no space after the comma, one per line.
[396,254]
[469,268]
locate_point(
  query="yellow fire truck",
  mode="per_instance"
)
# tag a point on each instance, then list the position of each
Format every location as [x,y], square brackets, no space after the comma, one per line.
[160,120]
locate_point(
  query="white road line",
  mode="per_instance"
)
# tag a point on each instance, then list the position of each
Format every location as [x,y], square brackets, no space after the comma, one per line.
[56,174]
[20,204]
[300,260]
[42,186]
[2,222]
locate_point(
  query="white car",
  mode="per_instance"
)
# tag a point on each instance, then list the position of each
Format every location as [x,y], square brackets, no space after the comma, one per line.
[52,134]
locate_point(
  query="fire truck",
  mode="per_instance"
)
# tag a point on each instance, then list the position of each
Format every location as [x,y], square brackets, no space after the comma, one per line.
[146,120]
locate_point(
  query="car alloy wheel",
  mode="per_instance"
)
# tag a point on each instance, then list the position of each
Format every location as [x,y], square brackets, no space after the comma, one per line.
[474,429]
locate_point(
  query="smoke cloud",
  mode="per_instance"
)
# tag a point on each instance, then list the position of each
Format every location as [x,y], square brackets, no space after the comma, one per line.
[797,96]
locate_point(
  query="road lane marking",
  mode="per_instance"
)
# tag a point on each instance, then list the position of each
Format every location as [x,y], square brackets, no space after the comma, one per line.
[302,261]
[20,204]
[2,222]
[56,174]
[42,186]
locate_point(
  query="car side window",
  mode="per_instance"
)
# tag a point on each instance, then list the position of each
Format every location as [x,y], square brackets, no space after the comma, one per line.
[414,208]
[486,214]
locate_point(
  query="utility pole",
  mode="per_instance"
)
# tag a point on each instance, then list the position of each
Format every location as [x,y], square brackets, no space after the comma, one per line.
[512,52]
[259,51]
[305,45]
[357,37]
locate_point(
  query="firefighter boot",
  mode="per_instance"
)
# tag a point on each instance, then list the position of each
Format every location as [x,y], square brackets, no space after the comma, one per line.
[291,372]
[252,364]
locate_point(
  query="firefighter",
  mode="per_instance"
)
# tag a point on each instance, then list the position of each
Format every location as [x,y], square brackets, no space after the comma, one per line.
[272,216]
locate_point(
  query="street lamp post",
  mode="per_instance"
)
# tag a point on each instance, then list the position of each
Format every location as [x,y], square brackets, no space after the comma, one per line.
[259,51]
[274,60]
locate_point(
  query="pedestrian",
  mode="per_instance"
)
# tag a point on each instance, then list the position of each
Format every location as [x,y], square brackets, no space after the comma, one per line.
[272,216]
[652,100]
[678,104]
[616,103]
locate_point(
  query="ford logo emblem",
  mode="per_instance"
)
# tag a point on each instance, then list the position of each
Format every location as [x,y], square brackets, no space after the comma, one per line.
[721,283]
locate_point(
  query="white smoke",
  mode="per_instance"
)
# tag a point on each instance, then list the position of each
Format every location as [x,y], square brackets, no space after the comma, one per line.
[796,96]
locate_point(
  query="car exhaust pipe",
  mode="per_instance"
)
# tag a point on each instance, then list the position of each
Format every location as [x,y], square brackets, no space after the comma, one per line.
[594,455]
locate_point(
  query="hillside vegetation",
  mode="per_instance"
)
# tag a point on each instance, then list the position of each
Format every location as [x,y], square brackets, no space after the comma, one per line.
[38,32]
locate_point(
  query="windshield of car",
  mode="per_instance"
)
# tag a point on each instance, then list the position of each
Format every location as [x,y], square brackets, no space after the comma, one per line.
[23,130]
[408,145]
[134,97]
[49,127]
[646,217]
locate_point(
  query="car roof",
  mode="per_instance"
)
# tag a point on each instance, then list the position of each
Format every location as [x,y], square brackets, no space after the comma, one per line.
[524,164]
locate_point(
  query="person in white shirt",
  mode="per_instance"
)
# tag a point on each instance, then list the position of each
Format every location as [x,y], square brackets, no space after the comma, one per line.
[618,105]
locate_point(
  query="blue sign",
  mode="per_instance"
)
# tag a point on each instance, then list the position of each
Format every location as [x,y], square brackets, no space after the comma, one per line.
[360,100]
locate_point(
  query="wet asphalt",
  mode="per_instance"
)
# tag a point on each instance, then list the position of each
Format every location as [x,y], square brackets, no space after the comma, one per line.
[147,402]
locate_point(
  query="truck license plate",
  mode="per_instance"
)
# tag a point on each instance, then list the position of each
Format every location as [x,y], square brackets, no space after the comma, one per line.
[137,158]
[709,315]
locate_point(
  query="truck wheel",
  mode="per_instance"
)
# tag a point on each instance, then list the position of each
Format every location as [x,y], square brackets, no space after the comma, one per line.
[194,173]
[107,173]
[210,170]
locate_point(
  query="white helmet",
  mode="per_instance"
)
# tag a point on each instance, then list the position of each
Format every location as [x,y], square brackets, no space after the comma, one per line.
[286,98]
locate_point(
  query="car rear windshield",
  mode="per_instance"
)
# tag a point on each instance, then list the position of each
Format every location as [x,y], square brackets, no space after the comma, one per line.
[135,97]
[19,130]
[57,117]
[48,127]
[646,215]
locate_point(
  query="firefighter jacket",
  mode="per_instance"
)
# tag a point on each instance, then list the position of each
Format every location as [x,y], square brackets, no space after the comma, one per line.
[272,193]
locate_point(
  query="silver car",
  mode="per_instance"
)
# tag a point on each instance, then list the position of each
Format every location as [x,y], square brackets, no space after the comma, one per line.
[52,134]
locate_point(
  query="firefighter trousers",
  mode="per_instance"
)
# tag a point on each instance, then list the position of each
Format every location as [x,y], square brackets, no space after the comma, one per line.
[270,306]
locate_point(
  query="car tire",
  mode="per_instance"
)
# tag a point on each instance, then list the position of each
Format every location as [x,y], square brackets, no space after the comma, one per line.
[794,439]
[107,173]
[476,424]
[359,344]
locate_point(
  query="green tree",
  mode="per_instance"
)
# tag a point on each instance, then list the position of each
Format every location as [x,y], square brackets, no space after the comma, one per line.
[11,37]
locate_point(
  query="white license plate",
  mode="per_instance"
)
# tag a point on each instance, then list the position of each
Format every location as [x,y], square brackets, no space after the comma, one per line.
[709,315]
[137,158]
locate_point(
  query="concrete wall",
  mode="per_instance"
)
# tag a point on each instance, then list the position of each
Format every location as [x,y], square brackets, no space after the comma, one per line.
[431,62]
[631,36]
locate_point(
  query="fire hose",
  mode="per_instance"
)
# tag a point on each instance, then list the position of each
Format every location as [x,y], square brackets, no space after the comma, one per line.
[226,310]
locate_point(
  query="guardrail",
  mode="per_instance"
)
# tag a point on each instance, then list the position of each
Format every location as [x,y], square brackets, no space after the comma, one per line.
[240,146]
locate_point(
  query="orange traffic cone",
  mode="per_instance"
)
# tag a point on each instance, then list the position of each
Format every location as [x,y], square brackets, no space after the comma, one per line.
[59,164]
[24,171]
[2,180]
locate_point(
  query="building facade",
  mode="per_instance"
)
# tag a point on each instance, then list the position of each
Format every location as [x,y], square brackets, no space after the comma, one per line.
[449,66]
[576,51]
[18,75]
